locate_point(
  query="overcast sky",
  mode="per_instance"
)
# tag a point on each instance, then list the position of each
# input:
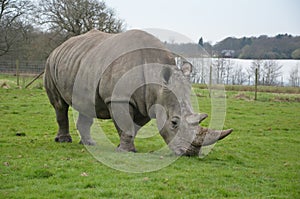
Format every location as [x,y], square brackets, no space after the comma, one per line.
[213,20]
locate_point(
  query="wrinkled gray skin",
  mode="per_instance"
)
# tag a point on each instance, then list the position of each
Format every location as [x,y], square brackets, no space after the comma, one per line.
[84,72]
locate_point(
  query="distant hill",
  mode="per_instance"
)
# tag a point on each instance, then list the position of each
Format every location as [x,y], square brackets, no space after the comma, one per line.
[282,46]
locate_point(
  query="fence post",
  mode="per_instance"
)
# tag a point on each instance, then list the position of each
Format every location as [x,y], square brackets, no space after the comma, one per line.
[210,79]
[256,82]
[17,72]
[34,79]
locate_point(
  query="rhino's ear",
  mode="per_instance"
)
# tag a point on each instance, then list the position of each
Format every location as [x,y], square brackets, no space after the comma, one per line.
[166,74]
[187,68]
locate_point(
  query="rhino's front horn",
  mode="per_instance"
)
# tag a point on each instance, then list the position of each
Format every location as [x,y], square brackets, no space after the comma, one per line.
[213,136]
[225,133]
[196,118]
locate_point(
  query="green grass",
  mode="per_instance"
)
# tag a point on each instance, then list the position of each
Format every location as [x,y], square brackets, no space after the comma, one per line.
[259,160]
[269,89]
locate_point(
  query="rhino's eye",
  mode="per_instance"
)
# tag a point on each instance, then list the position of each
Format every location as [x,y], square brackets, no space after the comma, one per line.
[174,124]
[175,121]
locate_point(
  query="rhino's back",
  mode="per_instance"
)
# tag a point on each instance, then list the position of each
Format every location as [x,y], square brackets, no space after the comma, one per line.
[78,64]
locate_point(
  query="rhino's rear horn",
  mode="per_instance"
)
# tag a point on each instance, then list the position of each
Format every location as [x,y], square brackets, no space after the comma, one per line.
[203,116]
[196,118]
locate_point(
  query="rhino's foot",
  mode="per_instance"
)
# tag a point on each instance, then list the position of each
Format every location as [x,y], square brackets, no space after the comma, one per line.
[89,142]
[126,149]
[63,138]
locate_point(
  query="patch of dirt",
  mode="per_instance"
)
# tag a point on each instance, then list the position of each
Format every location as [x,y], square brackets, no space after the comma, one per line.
[4,85]
[242,96]
[199,95]
[287,98]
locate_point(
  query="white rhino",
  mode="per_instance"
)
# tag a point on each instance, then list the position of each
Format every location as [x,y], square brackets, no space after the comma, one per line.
[129,77]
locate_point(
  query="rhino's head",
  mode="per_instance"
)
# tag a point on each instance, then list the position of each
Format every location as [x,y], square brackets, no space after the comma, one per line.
[178,124]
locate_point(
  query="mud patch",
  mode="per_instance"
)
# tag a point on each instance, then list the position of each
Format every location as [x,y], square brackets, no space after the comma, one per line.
[287,98]
[243,96]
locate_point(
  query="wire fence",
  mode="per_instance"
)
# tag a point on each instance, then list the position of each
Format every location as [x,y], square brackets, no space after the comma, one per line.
[21,68]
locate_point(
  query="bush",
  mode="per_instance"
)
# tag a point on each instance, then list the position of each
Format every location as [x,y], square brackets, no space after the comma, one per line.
[296,54]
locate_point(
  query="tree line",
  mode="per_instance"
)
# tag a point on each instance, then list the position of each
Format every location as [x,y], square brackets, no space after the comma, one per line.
[30,30]
[282,46]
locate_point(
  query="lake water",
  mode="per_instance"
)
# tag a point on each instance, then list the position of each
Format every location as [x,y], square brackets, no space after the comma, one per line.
[287,66]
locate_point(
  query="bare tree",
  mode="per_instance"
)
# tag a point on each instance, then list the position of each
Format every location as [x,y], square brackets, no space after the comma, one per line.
[13,22]
[238,76]
[251,70]
[74,17]
[222,70]
[219,69]
[200,70]
[268,71]
[228,70]
[295,77]
[271,71]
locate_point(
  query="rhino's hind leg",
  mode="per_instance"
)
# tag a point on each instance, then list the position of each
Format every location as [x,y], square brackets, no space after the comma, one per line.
[84,124]
[60,106]
[62,119]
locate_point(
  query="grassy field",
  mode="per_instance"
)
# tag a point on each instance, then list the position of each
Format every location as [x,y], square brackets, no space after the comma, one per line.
[259,160]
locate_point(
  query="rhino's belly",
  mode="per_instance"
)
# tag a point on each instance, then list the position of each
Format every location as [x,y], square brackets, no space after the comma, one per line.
[85,96]
[91,108]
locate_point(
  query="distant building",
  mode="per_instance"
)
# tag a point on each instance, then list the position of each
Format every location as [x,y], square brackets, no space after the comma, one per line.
[228,53]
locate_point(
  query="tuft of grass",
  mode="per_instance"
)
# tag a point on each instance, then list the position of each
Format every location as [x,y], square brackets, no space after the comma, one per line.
[41,173]
[260,159]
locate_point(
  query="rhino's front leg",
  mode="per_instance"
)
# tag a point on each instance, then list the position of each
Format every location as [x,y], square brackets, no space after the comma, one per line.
[126,142]
[84,124]
[122,118]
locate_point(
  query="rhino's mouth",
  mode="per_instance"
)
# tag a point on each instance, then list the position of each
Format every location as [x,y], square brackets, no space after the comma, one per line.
[192,150]
[181,147]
